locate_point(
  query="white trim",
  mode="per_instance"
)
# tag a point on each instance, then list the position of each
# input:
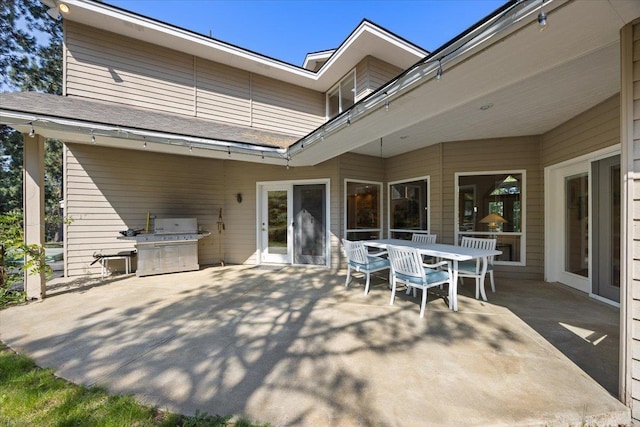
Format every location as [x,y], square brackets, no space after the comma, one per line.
[261,185]
[403,181]
[604,300]
[523,213]
[339,87]
[380,207]
[554,203]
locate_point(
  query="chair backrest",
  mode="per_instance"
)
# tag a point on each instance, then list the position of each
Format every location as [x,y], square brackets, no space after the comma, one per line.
[424,238]
[355,251]
[407,261]
[479,243]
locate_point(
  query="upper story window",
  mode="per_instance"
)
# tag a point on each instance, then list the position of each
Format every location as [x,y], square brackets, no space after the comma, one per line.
[341,96]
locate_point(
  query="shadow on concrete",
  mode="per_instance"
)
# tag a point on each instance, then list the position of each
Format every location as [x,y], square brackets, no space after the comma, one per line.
[293,347]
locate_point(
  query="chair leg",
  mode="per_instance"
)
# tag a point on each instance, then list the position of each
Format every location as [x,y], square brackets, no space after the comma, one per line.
[393,290]
[424,302]
[493,284]
[366,286]
[477,288]
[346,283]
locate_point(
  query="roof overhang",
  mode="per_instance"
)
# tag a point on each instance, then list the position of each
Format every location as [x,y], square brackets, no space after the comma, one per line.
[366,39]
[506,78]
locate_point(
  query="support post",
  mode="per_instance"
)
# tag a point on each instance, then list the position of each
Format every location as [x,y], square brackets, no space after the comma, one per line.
[33,207]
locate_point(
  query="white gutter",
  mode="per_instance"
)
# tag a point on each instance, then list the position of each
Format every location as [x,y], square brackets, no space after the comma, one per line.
[92,129]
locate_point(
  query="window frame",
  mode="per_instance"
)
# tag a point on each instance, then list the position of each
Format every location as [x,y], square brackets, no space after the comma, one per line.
[338,86]
[346,207]
[426,178]
[523,214]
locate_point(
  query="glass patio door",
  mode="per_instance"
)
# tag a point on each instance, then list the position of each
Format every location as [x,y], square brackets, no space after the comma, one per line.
[275,225]
[293,223]
[576,231]
[606,228]
[309,207]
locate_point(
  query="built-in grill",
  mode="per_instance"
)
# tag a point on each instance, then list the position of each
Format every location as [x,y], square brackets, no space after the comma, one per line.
[173,247]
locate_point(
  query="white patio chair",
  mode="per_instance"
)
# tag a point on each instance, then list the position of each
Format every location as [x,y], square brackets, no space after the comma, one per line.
[473,269]
[407,268]
[424,238]
[360,260]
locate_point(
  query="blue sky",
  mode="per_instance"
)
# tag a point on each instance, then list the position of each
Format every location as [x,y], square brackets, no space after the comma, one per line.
[288,30]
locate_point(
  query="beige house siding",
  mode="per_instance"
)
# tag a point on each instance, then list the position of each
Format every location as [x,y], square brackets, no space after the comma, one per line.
[110,67]
[630,139]
[109,190]
[516,153]
[284,108]
[223,93]
[417,164]
[241,218]
[596,128]
[357,167]
[371,73]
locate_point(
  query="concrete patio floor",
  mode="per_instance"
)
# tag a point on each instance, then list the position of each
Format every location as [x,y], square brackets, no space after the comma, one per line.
[292,346]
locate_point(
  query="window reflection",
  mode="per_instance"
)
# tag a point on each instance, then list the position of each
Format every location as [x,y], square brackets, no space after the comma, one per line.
[408,208]
[491,205]
[363,210]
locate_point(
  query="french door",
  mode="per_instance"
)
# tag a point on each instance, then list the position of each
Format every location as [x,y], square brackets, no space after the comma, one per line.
[293,223]
[583,227]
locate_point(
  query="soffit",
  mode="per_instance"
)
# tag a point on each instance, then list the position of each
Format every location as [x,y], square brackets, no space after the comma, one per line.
[535,81]
[367,39]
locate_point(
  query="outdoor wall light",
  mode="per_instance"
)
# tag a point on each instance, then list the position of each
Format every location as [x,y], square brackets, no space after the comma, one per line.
[239,197]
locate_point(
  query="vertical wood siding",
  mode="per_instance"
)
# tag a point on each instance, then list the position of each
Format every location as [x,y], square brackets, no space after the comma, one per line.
[109,190]
[596,128]
[371,73]
[110,67]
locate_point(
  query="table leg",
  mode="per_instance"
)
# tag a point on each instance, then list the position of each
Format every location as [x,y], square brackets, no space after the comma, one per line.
[453,288]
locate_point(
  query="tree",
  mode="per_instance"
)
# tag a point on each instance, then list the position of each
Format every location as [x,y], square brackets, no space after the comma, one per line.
[30,60]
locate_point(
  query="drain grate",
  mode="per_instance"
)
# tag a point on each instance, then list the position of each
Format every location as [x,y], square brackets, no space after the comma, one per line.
[268,267]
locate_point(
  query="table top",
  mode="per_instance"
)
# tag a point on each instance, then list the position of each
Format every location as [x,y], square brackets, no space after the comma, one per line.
[457,253]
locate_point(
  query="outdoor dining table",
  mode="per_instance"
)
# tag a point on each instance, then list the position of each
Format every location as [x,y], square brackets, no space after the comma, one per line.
[449,252]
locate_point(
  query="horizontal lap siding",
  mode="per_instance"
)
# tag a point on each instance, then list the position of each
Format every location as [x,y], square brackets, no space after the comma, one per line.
[284,108]
[372,73]
[223,93]
[109,190]
[241,218]
[633,278]
[358,167]
[504,154]
[596,128]
[419,163]
[109,67]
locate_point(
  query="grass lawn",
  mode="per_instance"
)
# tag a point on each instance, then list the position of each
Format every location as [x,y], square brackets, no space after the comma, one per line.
[31,396]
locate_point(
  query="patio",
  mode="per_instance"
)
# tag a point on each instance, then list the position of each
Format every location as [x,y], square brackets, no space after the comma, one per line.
[292,346]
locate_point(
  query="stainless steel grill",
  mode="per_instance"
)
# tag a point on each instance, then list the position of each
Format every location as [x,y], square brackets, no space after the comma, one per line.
[173,247]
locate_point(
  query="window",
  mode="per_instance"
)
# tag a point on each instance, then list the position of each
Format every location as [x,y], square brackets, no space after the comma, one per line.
[342,96]
[363,207]
[491,204]
[408,208]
